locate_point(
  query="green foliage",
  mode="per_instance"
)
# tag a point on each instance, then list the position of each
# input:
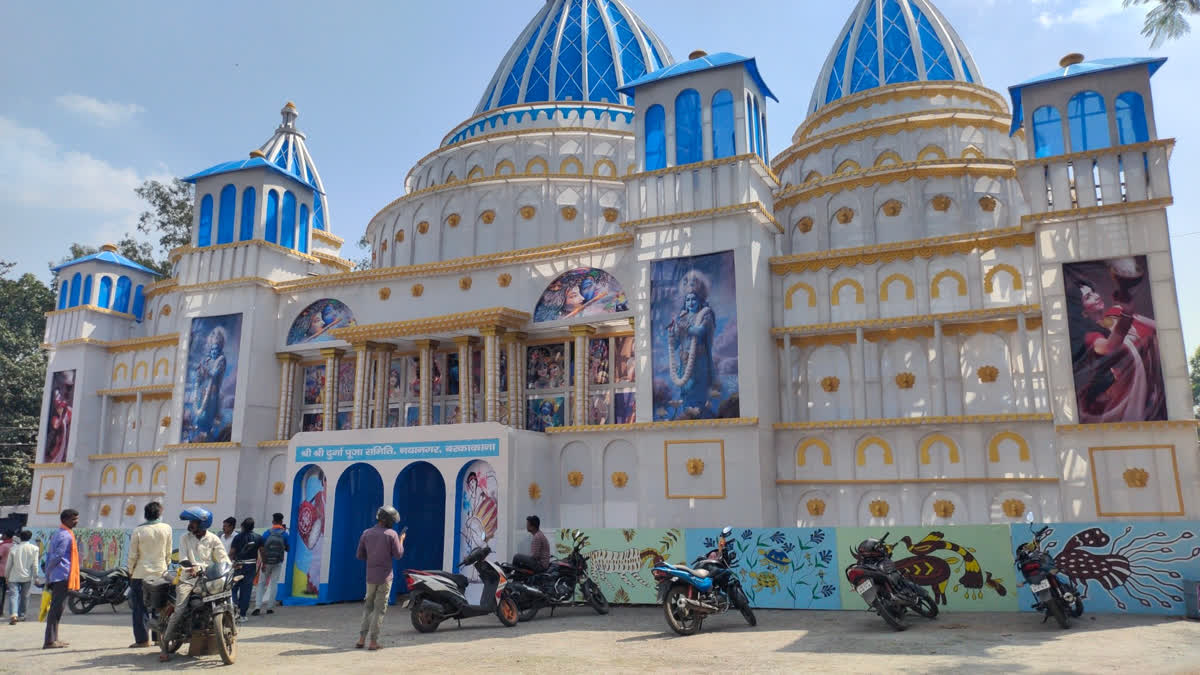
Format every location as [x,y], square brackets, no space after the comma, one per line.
[1194,371]
[1167,19]
[169,217]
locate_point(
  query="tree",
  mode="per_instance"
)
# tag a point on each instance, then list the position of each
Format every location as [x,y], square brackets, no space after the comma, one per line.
[1194,370]
[1167,20]
[23,304]
[170,214]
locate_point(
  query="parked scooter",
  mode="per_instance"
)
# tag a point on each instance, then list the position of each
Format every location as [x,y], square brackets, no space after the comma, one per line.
[1054,596]
[436,596]
[887,590]
[555,586]
[709,586]
[209,609]
[99,588]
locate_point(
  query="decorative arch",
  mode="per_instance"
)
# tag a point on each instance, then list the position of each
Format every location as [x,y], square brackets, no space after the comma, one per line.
[812,176]
[571,166]
[835,292]
[581,292]
[133,468]
[928,442]
[605,167]
[506,168]
[475,172]
[971,152]
[631,169]
[318,319]
[910,290]
[989,278]
[142,367]
[860,453]
[537,167]
[934,291]
[451,179]
[800,286]
[117,370]
[931,152]
[166,366]
[158,470]
[846,167]
[802,451]
[888,158]
[994,446]
[109,475]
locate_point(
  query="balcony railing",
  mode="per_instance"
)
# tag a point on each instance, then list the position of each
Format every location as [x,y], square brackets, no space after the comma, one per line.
[1121,174]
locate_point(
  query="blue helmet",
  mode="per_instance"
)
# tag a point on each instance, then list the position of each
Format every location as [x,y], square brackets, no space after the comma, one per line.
[203,517]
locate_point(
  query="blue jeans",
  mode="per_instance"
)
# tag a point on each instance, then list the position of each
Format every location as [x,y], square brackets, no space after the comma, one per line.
[137,605]
[243,591]
[18,598]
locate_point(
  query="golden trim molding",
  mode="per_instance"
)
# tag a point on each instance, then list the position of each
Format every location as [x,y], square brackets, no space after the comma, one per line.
[902,481]
[134,344]
[160,287]
[706,164]
[140,389]
[1164,143]
[674,218]
[954,244]
[52,465]
[897,92]
[125,494]
[209,285]
[1127,426]
[891,173]
[201,446]
[274,444]
[1103,210]
[921,320]
[1007,418]
[495,316]
[657,426]
[178,252]
[328,237]
[90,308]
[336,261]
[127,455]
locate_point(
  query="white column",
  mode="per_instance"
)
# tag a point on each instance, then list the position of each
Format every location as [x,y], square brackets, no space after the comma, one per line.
[362,355]
[491,372]
[104,422]
[939,402]
[1026,363]
[515,343]
[860,388]
[789,394]
[138,420]
[425,408]
[466,400]
[579,410]
[383,369]
[287,385]
[333,359]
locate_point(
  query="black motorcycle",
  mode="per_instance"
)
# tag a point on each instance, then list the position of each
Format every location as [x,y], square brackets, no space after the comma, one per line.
[1054,596]
[209,610]
[98,587]
[887,590]
[710,586]
[556,586]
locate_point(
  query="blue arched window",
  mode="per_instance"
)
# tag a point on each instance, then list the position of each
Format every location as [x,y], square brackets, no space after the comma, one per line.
[865,73]
[762,117]
[63,293]
[757,129]
[225,215]
[86,298]
[76,283]
[105,292]
[1047,132]
[247,229]
[139,302]
[899,62]
[1131,119]
[204,234]
[834,89]
[318,212]
[302,244]
[1088,121]
[121,301]
[287,221]
[656,138]
[272,225]
[724,130]
[689,135]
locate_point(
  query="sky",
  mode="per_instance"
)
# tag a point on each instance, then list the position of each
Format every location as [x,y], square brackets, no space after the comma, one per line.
[98,97]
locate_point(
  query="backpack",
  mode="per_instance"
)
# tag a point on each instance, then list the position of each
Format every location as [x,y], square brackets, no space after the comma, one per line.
[274,547]
[249,545]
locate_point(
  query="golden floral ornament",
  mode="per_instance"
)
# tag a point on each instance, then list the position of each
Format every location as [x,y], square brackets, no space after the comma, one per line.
[277,488]
[816,507]
[166,310]
[943,508]
[1136,478]
[504,280]
[423,226]
[879,508]
[620,479]
[1013,508]
[805,224]
[383,245]
[535,491]
[149,314]
[399,235]
[695,466]
[464,283]
[105,510]
[575,478]
[844,215]
[130,509]
[988,374]
[611,215]
[49,495]
[488,217]
[165,422]
[453,220]
[385,293]
[200,478]
[988,203]
[569,213]
[893,207]
[941,203]
[830,384]
[417,290]
[527,212]
[905,380]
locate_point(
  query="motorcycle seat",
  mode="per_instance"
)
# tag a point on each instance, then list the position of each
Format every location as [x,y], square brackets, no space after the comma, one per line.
[701,573]
[101,574]
[461,581]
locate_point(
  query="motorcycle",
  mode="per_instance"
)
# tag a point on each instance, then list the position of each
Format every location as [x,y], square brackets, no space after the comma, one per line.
[209,610]
[436,596]
[710,586]
[888,591]
[1052,594]
[97,588]
[555,586]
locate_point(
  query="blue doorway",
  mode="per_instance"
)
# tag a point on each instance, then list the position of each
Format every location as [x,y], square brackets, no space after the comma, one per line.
[359,495]
[420,497]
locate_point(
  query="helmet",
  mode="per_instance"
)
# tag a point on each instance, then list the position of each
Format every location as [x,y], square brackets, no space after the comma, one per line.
[203,517]
[387,515]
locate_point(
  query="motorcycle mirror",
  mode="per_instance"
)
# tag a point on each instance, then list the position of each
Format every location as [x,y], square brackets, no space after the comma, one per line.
[727,532]
[1029,517]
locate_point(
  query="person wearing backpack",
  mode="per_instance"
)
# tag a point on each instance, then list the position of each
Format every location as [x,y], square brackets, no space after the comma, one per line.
[244,549]
[271,557]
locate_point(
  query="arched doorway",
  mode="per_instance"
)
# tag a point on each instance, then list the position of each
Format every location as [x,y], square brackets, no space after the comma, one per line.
[420,497]
[307,540]
[359,495]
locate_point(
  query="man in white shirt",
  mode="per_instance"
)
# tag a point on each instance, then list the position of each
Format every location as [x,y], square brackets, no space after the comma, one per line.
[202,548]
[228,527]
[20,569]
[149,557]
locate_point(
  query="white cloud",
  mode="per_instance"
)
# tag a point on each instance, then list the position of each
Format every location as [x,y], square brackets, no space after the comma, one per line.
[1087,12]
[100,113]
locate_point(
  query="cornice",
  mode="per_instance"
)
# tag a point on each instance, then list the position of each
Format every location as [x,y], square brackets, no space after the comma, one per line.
[1164,143]
[177,253]
[89,308]
[274,444]
[143,389]
[51,465]
[955,244]
[1010,418]
[919,481]
[148,342]
[897,92]
[1093,211]
[126,455]
[675,218]
[495,316]
[922,169]
[328,237]
[948,318]
[1126,426]
[657,426]
[201,446]
[707,164]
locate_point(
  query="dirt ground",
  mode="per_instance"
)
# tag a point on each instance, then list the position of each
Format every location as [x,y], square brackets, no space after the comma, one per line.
[635,639]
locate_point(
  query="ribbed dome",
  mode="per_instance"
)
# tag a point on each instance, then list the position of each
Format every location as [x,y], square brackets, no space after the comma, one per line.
[576,50]
[890,41]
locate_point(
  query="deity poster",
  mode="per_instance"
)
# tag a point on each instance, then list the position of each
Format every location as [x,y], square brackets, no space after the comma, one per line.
[212,366]
[58,421]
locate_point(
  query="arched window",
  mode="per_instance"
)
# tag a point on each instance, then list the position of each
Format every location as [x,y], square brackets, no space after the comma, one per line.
[121,300]
[225,215]
[139,302]
[1088,121]
[656,138]
[86,298]
[287,221]
[63,294]
[247,229]
[204,234]
[302,244]
[689,135]
[1131,119]
[272,216]
[105,292]
[724,134]
[1047,132]
[766,153]
[757,129]
[76,284]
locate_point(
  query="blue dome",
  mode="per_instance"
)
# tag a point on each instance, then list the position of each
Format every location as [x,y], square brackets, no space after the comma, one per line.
[892,41]
[576,50]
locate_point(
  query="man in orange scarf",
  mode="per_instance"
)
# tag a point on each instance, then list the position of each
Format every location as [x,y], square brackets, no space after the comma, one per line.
[62,574]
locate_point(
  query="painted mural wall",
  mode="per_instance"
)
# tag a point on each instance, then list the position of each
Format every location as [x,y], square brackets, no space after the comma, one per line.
[620,560]
[782,568]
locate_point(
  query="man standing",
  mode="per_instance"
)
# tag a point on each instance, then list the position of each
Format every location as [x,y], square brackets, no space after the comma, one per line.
[228,528]
[62,573]
[149,557]
[245,551]
[270,564]
[202,548]
[20,570]
[378,546]
[6,544]
[539,548]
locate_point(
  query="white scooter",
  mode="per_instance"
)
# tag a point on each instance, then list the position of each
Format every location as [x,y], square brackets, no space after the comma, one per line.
[436,596]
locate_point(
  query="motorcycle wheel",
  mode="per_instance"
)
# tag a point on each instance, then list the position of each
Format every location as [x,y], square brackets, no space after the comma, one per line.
[507,611]
[1055,607]
[743,604]
[595,597]
[424,620]
[173,644]
[925,606]
[892,620]
[528,613]
[223,627]
[79,605]
[681,620]
[1077,607]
